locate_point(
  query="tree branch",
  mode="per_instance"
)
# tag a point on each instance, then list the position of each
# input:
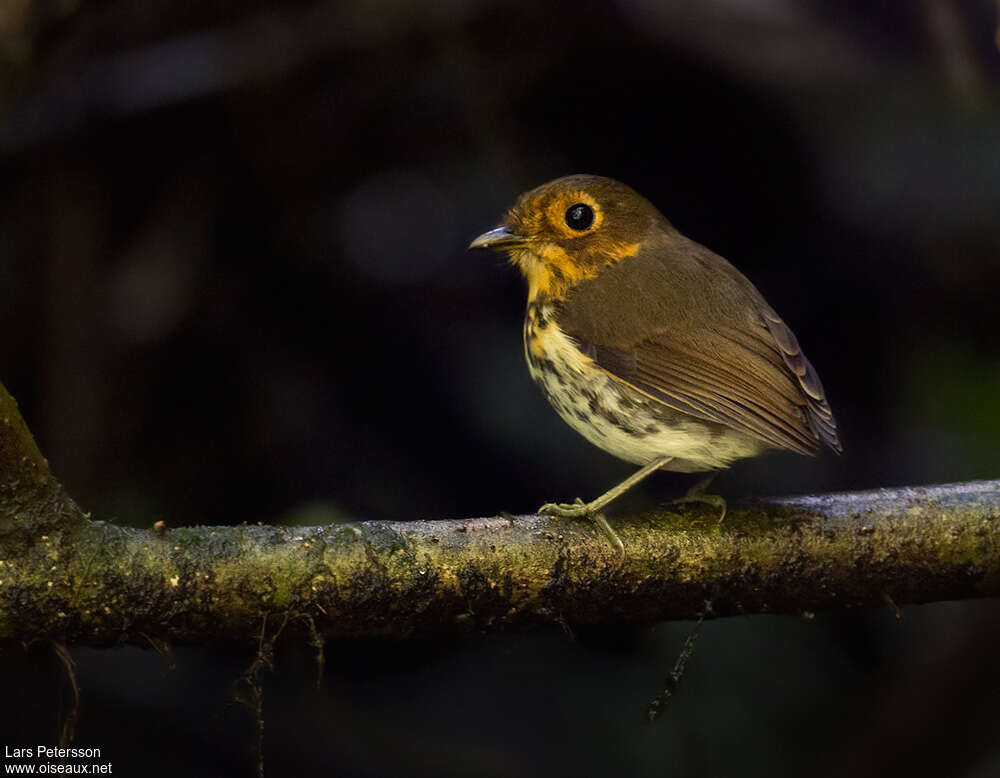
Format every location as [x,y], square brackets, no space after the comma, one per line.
[32,501]
[89,582]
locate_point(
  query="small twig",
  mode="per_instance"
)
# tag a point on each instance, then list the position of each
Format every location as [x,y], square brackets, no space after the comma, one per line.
[67,730]
[317,641]
[263,659]
[892,604]
[161,647]
[658,703]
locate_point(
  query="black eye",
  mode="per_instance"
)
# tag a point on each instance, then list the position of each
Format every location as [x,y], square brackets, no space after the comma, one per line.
[579,217]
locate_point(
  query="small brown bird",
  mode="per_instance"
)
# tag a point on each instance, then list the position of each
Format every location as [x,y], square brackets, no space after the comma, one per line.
[649,345]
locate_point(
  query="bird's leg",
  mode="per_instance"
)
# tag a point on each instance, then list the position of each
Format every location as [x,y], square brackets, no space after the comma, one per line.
[592,509]
[579,508]
[697,494]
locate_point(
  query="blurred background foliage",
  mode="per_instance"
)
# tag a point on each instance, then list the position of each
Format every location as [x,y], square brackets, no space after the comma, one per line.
[233,287]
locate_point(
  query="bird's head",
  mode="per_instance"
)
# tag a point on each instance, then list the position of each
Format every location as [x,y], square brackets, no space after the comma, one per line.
[568,230]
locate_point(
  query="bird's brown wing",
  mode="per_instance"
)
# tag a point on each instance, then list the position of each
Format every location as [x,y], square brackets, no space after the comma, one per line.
[684,327]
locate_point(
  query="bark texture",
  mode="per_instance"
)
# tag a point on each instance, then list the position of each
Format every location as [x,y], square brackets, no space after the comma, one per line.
[69,578]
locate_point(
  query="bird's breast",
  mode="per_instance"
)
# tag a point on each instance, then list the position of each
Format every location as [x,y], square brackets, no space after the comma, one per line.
[611,414]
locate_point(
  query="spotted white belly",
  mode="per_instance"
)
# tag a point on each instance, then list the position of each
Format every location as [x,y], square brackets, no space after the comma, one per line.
[617,418]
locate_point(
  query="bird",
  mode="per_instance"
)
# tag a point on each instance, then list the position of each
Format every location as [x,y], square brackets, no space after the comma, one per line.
[648,344]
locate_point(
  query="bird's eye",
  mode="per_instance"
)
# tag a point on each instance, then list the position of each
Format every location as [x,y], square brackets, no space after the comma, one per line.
[579,217]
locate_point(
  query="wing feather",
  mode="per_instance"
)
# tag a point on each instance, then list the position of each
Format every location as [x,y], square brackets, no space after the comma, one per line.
[696,335]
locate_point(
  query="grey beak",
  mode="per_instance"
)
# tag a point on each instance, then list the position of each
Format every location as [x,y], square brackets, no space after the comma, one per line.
[499,238]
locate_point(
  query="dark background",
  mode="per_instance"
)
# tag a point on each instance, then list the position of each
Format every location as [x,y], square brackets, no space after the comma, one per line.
[233,287]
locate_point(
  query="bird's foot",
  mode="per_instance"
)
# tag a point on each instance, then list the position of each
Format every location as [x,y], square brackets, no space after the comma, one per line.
[566,510]
[696,494]
[580,509]
[705,499]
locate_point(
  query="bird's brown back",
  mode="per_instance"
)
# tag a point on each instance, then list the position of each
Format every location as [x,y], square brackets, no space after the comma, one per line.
[681,324]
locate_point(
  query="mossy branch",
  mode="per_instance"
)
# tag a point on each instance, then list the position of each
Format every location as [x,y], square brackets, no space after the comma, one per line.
[88,582]
[32,501]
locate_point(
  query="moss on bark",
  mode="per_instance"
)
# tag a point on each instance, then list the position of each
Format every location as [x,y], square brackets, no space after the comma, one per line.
[66,577]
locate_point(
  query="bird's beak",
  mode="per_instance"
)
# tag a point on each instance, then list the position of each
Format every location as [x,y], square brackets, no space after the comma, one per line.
[499,238]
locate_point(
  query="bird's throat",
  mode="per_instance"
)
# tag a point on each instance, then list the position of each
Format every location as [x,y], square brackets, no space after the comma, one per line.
[551,271]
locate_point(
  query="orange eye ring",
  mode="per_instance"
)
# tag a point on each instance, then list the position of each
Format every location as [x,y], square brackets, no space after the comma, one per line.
[582,205]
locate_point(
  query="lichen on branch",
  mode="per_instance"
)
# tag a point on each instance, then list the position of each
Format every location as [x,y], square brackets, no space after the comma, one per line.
[81,581]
